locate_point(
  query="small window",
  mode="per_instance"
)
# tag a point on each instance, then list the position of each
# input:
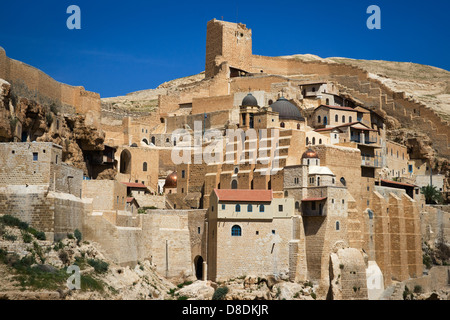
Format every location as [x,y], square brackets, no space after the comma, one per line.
[223,207]
[183,173]
[280,208]
[35,156]
[236,231]
[297,205]
[349,119]
[261,208]
[336,118]
[343,119]
[273,231]
[182,190]
[337,226]
[56,160]
[144,166]
[257,232]
[238,208]
[314,140]
[212,208]
[250,208]
[198,230]
[320,141]
[318,119]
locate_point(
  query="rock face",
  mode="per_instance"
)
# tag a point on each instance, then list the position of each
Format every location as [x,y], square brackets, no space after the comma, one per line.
[22,119]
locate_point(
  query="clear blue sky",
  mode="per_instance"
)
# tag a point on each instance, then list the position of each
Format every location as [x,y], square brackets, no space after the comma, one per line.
[126,46]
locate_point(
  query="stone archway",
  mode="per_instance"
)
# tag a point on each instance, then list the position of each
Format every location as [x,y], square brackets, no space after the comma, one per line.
[198,263]
[125,162]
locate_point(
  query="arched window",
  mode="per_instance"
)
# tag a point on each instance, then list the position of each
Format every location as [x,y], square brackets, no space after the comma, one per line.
[261,208]
[325,120]
[298,126]
[144,166]
[307,140]
[153,140]
[336,118]
[238,208]
[314,140]
[249,208]
[349,119]
[282,125]
[145,141]
[318,119]
[318,181]
[234,184]
[337,226]
[320,141]
[344,183]
[343,119]
[327,102]
[236,231]
[297,205]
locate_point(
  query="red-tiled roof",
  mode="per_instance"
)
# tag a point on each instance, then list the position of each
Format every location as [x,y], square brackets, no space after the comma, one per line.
[337,108]
[130,199]
[244,195]
[134,185]
[313,199]
[399,183]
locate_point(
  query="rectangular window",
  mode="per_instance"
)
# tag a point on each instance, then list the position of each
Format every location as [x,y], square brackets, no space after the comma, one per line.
[35,156]
[183,173]
[280,207]
[223,207]
[198,230]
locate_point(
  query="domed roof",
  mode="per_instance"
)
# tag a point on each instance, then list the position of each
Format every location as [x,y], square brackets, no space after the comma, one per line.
[286,110]
[249,101]
[171,180]
[310,154]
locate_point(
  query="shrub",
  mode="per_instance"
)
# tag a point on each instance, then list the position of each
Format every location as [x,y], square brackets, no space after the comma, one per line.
[27,238]
[10,220]
[99,265]
[9,237]
[70,236]
[220,293]
[186,283]
[64,257]
[313,295]
[417,289]
[78,236]
[37,234]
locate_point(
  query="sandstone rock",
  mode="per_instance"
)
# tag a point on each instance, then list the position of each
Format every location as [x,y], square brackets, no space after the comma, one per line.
[200,290]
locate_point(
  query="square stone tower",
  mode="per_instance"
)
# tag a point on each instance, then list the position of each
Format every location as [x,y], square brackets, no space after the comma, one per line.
[227,41]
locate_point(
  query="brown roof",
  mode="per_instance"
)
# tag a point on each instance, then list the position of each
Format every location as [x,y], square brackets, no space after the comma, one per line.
[399,183]
[313,199]
[241,195]
[130,199]
[337,108]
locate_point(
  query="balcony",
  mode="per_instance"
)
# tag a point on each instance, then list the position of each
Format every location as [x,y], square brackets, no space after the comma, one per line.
[372,162]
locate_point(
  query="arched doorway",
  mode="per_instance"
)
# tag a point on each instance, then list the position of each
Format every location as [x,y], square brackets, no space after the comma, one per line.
[234,184]
[198,262]
[125,162]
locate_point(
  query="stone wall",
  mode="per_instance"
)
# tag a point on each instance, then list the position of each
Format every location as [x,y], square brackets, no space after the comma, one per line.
[32,83]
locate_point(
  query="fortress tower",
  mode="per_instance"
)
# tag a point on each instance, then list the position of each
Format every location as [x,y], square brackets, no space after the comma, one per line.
[226,41]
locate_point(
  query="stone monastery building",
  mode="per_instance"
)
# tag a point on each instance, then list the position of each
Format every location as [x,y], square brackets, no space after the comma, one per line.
[303,189]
